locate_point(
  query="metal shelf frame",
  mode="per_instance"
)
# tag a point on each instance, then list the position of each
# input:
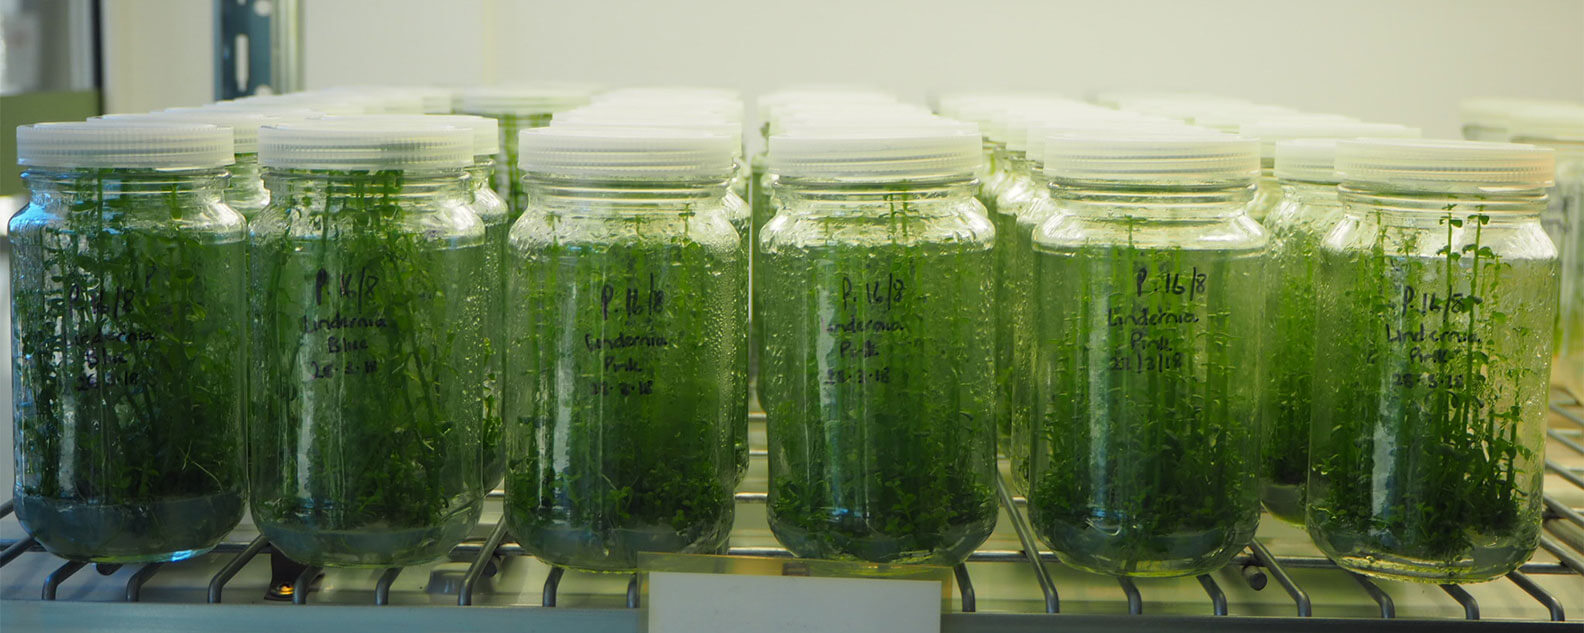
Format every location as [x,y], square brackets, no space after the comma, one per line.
[1257,565]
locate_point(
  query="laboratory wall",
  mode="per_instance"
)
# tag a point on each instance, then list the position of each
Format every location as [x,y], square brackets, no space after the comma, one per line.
[1406,61]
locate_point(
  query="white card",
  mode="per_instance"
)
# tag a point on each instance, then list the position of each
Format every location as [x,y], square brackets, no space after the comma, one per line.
[695,603]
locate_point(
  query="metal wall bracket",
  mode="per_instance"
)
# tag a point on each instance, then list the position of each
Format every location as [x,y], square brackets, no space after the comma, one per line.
[258,47]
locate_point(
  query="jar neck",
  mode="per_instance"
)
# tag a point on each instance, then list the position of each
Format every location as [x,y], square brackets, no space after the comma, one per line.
[1408,207]
[1017,163]
[586,197]
[480,173]
[830,197]
[1154,202]
[354,189]
[245,179]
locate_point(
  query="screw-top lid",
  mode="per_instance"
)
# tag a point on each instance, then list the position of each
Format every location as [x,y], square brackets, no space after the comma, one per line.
[486,131]
[679,94]
[1493,112]
[113,144]
[876,154]
[1547,123]
[1436,165]
[631,119]
[1154,158]
[1040,134]
[626,153]
[365,144]
[1272,131]
[243,125]
[520,100]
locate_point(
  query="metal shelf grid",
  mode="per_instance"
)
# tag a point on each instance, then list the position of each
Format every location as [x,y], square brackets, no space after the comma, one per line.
[1236,597]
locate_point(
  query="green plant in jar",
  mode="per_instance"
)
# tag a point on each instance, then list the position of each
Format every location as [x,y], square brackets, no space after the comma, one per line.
[127,273]
[1143,458]
[1436,299]
[876,294]
[369,343]
[518,108]
[625,357]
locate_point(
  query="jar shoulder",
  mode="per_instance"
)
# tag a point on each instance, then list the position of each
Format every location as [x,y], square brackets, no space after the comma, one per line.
[1511,239]
[539,229]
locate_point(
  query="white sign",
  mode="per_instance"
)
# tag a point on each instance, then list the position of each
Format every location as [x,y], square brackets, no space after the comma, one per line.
[697,603]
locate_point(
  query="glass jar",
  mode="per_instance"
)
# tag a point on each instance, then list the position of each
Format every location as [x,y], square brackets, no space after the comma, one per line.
[1271,131]
[629,295]
[1308,210]
[517,108]
[877,374]
[369,343]
[1561,128]
[1150,307]
[126,278]
[1436,299]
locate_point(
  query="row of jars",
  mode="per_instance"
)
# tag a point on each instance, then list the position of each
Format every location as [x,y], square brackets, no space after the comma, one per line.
[619,376]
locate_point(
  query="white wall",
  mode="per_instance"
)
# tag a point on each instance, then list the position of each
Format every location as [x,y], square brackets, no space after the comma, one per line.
[1407,61]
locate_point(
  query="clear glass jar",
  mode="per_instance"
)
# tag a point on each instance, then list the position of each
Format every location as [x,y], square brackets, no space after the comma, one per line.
[492,211]
[1561,128]
[629,291]
[877,374]
[369,344]
[1150,307]
[127,278]
[1308,210]
[1436,298]
[1023,213]
[1014,306]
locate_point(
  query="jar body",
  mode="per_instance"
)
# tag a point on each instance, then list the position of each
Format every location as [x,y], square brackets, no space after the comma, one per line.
[492,212]
[369,363]
[740,217]
[626,369]
[1020,284]
[126,307]
[1014,196]
[1430,387]
[1566,205]
[877,372]
[1144,459]
[1307,212]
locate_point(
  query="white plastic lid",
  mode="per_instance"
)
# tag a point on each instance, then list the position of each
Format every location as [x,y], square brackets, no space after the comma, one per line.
[716,126]
[1166,158]
[294,101]
[1433,164]
[520,100]
[692,94]
[112,144]
[244,125]
[1272,131]
[625,153]
[1492,112]
[365,144]
[876,153]
[1548,123]
[486,131]
[1039,135]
